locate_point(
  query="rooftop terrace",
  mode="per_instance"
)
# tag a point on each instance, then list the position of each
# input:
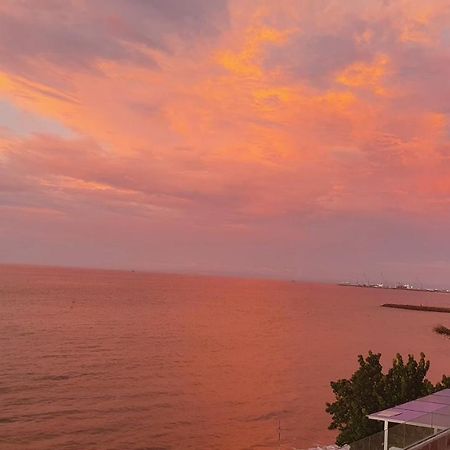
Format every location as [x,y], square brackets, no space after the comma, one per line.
[422,424]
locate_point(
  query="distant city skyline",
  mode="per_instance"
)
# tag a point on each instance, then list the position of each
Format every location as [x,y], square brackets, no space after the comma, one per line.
[303,140]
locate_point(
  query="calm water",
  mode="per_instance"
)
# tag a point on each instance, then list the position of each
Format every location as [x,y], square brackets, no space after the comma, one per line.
[113,360]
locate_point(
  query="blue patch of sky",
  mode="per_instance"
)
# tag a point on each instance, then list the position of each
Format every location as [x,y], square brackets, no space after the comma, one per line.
[22,123]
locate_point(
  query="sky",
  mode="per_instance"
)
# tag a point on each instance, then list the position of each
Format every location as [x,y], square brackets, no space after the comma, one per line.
[304,139]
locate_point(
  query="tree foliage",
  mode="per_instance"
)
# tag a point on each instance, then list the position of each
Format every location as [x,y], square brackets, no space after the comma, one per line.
[370,390]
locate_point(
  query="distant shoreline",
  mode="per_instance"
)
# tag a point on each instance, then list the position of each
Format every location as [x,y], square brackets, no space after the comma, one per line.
[441,309]
[399,287]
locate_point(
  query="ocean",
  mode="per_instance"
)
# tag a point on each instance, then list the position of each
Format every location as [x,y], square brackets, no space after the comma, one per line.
[96,359]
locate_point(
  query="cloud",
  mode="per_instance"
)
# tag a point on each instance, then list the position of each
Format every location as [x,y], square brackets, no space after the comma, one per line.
[235,118]
[79,35]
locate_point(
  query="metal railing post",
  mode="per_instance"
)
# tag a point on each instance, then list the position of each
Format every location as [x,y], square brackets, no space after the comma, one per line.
[386,434]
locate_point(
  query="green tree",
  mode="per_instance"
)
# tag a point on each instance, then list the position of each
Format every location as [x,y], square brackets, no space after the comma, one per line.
[362,394]
[369,390]
[444,383]
[406,382]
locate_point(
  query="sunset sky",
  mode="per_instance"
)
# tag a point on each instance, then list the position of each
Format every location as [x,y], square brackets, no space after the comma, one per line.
[305,139]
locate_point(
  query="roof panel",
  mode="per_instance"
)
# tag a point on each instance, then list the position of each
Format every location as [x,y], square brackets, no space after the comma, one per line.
[442,399]
[445,392]
[425,407]
[429,411]
[400,416]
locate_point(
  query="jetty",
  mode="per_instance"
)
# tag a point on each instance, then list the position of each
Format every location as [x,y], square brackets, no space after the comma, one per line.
[441,309]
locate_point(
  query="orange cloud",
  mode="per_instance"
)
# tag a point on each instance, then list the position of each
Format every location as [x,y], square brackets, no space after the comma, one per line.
[246,62]
[368,76]
[271,114]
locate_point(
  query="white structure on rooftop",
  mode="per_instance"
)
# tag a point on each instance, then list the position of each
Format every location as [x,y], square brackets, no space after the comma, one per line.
[432,412]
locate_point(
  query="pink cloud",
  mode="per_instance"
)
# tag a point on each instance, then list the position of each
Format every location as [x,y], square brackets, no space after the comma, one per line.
[226,120]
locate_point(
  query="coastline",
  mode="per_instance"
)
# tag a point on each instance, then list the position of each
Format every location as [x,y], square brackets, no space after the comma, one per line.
[400,287]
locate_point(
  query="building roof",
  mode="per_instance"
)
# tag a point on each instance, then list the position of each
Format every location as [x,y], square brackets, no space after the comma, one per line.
[432,411]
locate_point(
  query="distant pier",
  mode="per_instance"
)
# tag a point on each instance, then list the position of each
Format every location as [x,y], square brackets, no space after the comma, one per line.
[441,309]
